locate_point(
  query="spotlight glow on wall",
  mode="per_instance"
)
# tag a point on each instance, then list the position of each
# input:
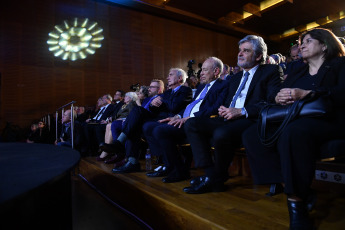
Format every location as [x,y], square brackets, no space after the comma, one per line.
[76,39]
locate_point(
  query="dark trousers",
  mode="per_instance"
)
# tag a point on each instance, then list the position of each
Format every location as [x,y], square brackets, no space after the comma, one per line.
[225,136]
[163,140]
[116,128]
[94,135]
[132,127]
[292,160]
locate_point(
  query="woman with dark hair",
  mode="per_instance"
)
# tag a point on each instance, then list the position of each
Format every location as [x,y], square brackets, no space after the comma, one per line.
[291,161]
[143,93]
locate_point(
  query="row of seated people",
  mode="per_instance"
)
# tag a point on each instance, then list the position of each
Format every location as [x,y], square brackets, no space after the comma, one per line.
[118,110]
[223,114]
[40,132]
[168,118]
[109,118]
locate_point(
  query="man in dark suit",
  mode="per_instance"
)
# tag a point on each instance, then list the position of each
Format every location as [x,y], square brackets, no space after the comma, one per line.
[164,136]
[119,96]
[92,134]
[256,83]
[167,104]
[116,104]
[136,119]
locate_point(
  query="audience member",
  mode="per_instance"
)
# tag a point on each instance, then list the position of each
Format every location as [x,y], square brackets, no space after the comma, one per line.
[65,134]
[168,104]
[142,94]
[295,53]
[33,133]
[258,82]
[114,127]
[236,69]
[156,88]
[292,161]
[94,129]
[118,100]
[270,60]
[225,73]
[166,134]
[194,82]
[41,135]
[81,115]
[296,63]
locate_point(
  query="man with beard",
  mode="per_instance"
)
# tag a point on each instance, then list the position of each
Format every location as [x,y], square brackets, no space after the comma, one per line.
[256,83]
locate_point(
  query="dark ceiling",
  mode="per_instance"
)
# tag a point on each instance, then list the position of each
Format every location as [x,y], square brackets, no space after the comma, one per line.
[226,16]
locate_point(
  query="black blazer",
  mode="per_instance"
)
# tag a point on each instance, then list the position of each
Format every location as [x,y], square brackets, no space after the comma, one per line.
[213,99]
[173,103]
[108,112]
[330,80]
[263,87]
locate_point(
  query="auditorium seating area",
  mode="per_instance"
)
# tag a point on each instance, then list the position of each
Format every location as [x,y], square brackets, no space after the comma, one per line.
[150,114]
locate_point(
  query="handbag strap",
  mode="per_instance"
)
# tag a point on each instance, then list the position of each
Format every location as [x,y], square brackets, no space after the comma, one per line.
[293,112]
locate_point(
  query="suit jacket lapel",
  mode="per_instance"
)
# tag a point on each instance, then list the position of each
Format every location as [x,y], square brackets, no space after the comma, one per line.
[213,88]
[198,91]
[255,79]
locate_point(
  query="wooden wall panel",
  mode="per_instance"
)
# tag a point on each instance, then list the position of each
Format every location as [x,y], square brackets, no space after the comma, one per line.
[137,48]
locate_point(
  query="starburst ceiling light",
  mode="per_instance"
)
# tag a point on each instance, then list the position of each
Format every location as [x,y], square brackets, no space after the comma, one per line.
[76,39]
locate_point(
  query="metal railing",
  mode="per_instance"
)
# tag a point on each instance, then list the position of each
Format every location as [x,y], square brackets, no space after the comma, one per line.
[62,108]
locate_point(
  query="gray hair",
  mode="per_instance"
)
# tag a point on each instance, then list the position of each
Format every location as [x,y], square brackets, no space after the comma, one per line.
[217,63]
[259,45]
[132,95]
[276,57]
[108,96]
[180,72]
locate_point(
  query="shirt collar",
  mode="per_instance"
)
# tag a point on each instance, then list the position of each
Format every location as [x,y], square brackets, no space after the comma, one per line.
[177,88]
[252,70]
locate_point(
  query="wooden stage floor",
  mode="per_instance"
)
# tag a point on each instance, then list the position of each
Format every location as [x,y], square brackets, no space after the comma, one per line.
[242,206]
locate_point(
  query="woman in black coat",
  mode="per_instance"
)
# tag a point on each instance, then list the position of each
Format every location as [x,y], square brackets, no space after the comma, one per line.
[291,161]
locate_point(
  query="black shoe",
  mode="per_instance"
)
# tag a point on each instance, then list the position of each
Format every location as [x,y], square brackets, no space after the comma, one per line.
[171,179]
[159,173]
[116,147]
[275,189]
[197,180]
[206,185]
[127,168]
[299,215]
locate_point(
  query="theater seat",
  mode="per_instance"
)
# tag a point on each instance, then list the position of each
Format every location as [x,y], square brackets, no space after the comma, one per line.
[333,150]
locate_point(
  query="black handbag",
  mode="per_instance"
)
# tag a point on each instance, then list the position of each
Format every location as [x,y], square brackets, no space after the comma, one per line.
[280,115]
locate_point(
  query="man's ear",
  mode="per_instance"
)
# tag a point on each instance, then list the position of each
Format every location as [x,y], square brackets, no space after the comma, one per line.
[180,79]
[216,71]
[258,58]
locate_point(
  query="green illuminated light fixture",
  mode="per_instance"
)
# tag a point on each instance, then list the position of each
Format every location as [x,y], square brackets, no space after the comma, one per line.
[75,40]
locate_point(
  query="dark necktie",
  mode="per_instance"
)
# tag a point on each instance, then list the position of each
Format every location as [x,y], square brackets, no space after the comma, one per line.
[238,92]
[99,115]
[190,106]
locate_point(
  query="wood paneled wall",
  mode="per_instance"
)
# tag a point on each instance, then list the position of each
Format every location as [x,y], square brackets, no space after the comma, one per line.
[137,48]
